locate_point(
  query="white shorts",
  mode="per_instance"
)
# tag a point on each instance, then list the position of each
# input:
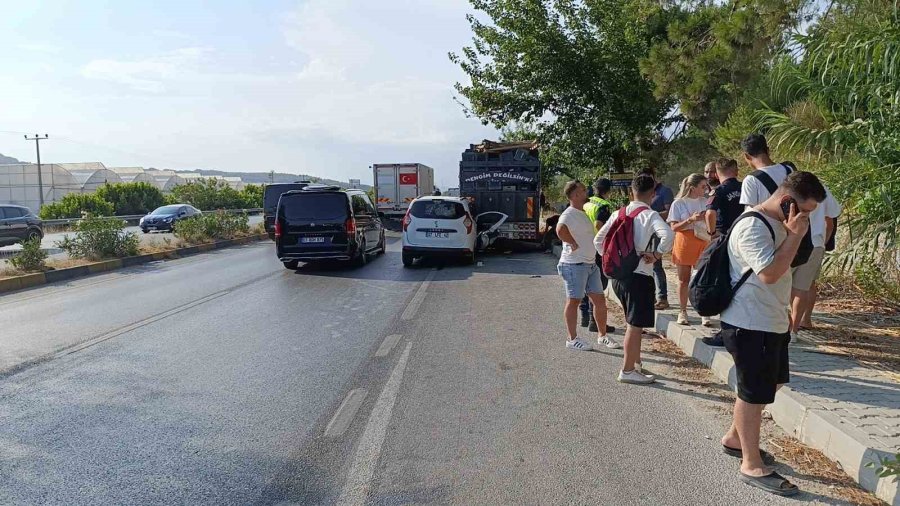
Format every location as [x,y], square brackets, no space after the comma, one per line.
[805,275]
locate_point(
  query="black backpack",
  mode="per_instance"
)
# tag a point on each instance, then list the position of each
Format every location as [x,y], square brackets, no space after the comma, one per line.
[710,290]
[806,244]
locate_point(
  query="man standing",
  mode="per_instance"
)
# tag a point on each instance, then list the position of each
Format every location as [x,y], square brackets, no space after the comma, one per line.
[755,325]
[712,177]
[821,225]
[577,267]
[598,210]
[661,202]
[722,209]
[756,153]
[636,292]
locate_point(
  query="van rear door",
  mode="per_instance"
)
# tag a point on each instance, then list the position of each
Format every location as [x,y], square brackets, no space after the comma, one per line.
[314,221]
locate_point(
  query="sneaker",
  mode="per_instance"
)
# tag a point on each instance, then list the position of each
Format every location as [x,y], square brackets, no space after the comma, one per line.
[706,322]
[682,318]
[714,340]
[635,378]
[609,343]
[639,367]
[662,304]
[578,345]
[795,339]
[593,326]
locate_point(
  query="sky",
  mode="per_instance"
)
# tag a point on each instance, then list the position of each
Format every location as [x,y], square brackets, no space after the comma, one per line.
[321,87]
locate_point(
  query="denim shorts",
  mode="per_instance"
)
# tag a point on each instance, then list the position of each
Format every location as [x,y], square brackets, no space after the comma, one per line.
[581,279]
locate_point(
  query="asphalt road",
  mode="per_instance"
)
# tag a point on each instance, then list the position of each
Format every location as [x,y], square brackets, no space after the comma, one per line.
[225,379]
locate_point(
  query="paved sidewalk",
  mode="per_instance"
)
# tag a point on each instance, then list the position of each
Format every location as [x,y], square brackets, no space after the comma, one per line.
[849,411]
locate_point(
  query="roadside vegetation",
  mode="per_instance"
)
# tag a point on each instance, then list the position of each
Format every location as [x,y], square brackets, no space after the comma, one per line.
[96,238]
[31,259]
[209,227]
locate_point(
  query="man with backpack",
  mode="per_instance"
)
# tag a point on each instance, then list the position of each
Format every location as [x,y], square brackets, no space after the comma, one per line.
[755,323]
[578,268]
[630,242]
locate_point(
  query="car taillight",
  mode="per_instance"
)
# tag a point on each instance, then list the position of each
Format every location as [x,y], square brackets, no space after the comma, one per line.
[406,221]
[277,228]
[351,226]
[468,223]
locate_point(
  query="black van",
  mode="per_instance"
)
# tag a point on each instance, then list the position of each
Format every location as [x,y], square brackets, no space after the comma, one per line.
[326,223]
[271,195]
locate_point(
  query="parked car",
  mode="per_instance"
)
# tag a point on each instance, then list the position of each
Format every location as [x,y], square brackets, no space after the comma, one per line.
[439,227]
[165,217]
[270,202]
[18,224]
[326,223]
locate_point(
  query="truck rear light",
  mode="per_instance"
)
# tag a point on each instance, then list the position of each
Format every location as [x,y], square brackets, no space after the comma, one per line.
[406,221]
[351,226]
[468,223]
[277,228]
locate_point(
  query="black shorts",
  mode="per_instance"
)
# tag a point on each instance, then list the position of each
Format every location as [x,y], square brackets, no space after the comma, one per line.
[760,360]
[637,297]
[603,279]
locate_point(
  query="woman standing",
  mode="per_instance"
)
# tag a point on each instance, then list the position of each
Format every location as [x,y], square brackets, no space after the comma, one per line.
[686,218]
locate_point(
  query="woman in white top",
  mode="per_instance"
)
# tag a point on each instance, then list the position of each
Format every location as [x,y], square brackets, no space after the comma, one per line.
[686,219]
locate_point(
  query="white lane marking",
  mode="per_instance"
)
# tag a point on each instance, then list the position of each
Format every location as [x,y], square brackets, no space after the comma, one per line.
[345,413]
[138,324]
[356,489]
[410,312]
[388,345]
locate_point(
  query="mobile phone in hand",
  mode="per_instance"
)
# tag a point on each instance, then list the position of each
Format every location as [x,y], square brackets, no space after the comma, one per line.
[786,207]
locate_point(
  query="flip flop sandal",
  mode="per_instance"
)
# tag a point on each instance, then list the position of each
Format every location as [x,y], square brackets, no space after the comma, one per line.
[767,457]
[774,483]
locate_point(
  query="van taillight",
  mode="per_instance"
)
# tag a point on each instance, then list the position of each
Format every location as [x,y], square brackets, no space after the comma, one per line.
[468,223]
[277,228]
[406,221]
[351,226]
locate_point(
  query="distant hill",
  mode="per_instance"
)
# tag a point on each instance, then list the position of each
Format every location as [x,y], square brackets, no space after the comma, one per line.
[263,177]
[8,160]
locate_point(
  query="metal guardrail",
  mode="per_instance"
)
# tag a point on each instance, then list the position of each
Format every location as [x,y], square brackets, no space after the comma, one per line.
[134,218]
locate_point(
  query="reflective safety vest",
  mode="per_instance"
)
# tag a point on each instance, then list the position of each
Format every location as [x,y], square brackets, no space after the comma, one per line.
[592,209]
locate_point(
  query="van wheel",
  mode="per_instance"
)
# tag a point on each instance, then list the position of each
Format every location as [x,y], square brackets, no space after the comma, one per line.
[291,264]
[362,257]
[407,259]
[382,248]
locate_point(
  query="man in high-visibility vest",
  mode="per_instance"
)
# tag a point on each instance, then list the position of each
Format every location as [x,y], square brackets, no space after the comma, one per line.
[598,210]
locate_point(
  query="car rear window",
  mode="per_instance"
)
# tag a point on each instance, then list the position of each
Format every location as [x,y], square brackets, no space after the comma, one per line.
[437,210]
[274,191]
[314,206]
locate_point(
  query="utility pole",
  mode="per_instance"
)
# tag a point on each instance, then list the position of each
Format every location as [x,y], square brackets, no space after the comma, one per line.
[37,145]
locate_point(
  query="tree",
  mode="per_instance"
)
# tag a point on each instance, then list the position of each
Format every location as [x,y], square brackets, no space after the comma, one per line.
[131,198]
[74,205]
[568,71]
[208,194]
[252,196]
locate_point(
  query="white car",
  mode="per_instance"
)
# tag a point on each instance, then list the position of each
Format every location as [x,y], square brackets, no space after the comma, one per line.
[439,227]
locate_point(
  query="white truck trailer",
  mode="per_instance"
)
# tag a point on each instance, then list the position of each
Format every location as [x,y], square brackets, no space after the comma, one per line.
[398,184]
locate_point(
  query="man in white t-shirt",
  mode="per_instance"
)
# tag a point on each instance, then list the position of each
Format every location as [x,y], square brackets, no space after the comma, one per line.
[803,294]
[756,153]
[755,325]
[578,268]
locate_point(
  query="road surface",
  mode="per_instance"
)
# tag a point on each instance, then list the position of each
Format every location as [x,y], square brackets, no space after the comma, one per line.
[224,378]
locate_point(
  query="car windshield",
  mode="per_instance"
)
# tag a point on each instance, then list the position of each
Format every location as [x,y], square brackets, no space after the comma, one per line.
[315,206]
[166,210]
[437,210]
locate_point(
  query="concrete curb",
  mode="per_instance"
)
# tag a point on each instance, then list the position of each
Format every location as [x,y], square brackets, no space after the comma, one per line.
[41,278]
[791,411]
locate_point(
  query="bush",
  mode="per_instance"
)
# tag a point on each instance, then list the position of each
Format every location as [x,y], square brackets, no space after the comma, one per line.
[131,198]
[252,196]
[208,194]
[97,238]
[212,226]
[75,205]
[32,258]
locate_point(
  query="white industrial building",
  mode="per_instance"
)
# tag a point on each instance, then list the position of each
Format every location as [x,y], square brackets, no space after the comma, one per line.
[134,175]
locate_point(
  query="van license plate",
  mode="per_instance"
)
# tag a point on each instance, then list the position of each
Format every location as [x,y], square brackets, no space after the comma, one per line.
[312,239]
[437,235]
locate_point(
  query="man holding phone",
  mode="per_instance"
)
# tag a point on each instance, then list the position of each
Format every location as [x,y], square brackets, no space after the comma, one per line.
[756,325]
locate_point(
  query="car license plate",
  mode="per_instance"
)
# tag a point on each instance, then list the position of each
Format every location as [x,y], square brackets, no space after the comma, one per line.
[312,239]
[437,235]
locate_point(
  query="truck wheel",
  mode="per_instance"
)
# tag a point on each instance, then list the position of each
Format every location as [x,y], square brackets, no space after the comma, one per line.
[407,259]
[291,264]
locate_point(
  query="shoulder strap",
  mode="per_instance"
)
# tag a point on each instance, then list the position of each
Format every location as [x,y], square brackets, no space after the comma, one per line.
[789,167]
[634,214]
[766,180]
[754,214]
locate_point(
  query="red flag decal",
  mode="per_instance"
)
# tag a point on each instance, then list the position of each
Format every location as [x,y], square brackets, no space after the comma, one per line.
[409,178]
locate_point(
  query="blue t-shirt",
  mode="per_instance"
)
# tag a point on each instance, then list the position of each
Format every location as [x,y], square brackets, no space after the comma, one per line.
[663,199]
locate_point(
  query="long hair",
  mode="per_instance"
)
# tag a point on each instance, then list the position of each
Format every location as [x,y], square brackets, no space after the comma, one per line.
[692,181]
